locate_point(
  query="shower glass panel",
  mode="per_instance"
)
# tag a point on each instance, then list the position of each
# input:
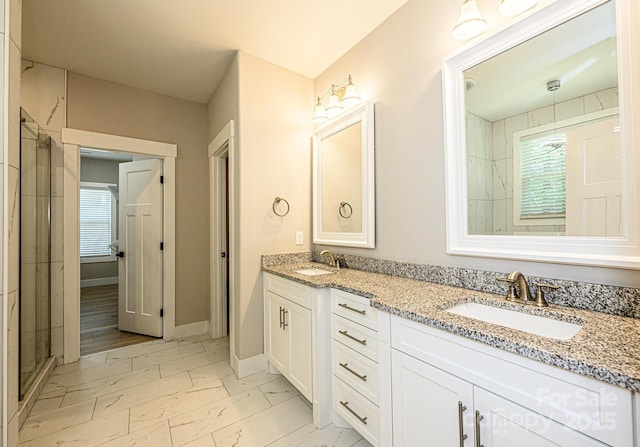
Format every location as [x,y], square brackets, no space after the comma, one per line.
[35,272]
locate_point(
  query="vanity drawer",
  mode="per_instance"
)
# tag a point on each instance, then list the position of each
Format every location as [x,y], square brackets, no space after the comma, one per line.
[359,338]
[355,308]
[293,291]
[363,416]
[356,370]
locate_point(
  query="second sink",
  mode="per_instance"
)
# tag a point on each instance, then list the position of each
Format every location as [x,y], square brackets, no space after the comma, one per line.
[533,324]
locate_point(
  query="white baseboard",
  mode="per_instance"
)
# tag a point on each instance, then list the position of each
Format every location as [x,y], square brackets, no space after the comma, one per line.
[188,330]
[246,367]
[99,282]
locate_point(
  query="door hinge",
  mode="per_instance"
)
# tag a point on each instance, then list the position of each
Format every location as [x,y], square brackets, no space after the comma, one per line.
[161,245]
[162,312]
[162,179]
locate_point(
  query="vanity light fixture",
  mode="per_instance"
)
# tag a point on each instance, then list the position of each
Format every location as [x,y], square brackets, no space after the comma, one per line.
[470,22]
[341,96]
[515,7]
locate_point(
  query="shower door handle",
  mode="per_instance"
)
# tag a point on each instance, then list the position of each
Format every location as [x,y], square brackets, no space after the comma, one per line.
[120,254]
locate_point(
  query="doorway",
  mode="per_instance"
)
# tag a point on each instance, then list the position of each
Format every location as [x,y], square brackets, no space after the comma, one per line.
[73,140]
[221,181]
[111,294]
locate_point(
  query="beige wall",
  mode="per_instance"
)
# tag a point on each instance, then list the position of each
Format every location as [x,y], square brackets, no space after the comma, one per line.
[398,66]
[273,144]
[107,107]
[101,171]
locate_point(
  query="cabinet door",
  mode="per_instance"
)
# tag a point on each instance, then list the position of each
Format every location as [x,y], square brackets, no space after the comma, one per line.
[297,320]
[277,336]
[426,405]
[505,424]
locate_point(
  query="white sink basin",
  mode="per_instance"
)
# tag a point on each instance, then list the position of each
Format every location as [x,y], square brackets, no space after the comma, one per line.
[534,324]
[314,272]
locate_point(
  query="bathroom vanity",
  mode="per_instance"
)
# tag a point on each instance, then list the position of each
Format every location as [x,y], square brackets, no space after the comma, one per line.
[402,369]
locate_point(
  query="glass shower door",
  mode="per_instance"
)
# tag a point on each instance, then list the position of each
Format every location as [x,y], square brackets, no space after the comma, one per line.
[35,302]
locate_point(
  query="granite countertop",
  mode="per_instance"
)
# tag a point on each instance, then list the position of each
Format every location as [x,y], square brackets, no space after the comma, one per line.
[607,347]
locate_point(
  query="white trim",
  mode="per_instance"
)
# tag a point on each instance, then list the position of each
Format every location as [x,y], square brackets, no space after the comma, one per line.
[191,329]
[72,140]
[623,252]
[98,282]
[246,367]
[221,147]
[102,141]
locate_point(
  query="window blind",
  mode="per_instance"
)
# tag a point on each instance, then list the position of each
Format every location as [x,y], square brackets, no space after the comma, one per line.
[95,221]
[543,177]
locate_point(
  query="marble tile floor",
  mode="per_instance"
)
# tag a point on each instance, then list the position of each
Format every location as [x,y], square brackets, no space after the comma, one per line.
[171,394]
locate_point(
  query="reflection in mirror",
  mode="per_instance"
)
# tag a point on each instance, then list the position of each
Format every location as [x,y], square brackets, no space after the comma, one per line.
[343,189]
[342,180]
[543,143]
[542,156]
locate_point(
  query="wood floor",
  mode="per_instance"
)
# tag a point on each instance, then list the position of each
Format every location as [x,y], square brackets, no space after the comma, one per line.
[99,321]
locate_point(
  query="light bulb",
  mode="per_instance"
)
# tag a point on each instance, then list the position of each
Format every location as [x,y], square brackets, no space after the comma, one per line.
[334,108]
[320,115]
[350,97]
[470,23]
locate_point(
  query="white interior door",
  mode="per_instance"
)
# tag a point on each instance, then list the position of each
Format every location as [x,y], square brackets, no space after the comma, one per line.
[594,180]
[140,232]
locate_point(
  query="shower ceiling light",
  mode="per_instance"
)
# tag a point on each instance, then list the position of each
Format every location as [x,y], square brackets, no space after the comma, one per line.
[515,7]
[342,96]
[470,22]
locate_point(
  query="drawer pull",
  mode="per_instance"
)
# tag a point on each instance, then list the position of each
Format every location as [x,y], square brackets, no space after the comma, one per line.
[346,334]
[346,366]
[360,418]
[461,409]
[284,318]
[281,309]
[346,306]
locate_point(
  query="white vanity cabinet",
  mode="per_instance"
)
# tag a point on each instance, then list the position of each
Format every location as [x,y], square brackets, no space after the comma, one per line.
[296,322]
[360,366]
[448,390]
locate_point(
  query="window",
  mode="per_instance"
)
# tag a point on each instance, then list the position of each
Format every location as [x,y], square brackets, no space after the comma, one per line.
[97,222]
[543,176]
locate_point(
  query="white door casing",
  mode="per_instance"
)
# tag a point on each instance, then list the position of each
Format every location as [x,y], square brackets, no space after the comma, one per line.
[140,231]
[73,139]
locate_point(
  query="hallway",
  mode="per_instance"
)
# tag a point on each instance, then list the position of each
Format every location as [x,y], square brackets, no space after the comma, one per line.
[170,394]
[99,321]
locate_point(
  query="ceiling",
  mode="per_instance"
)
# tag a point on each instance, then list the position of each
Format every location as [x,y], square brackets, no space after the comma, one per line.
[580,53]
[182,48]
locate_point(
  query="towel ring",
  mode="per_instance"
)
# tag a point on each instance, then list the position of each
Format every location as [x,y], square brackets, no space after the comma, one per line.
[343,206]
[276,202]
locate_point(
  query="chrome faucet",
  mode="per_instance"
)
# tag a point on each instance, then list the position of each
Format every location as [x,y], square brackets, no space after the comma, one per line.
[333,262]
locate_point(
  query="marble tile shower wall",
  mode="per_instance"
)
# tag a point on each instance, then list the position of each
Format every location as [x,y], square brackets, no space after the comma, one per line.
[479,174]
[490,161]
[615,300]
[43,96]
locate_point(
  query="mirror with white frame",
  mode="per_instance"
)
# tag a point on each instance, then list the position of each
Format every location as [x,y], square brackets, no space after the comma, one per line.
[539,126]
[343,174]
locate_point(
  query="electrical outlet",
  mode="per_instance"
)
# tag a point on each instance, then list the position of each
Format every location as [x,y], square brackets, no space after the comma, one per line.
[299,237]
